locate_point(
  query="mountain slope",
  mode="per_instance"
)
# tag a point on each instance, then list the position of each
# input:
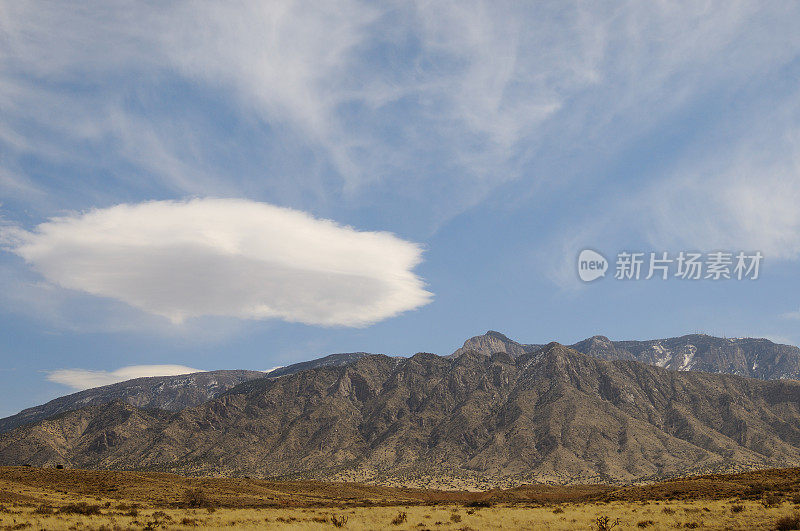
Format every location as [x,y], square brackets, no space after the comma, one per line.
[171,393]
[330,360]
[554,415]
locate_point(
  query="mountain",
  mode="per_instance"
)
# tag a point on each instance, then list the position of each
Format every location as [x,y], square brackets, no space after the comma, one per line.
[755,358]
[751,357]
[171,393]
[492,342]
[330,360]
[470,420]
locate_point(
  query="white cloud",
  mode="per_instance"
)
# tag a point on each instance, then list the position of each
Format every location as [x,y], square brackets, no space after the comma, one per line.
[226,257]
[80,379]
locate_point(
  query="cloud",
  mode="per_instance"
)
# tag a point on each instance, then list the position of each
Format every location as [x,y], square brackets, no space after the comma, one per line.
[227,257]
[795,315]
[80,379]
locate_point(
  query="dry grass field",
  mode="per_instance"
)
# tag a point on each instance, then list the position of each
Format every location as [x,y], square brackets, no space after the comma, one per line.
[35,498]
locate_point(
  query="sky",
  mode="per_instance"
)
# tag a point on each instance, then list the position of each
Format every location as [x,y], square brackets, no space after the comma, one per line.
[213,185]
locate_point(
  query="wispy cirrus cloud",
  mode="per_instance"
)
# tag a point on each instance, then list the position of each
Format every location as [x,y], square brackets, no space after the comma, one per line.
[225,257]
[478,94]
[80,379]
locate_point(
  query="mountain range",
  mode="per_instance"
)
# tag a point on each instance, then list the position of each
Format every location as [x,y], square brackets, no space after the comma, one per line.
[751,357]
[475,418]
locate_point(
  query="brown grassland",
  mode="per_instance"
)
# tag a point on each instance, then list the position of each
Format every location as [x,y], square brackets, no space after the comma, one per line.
[39,498]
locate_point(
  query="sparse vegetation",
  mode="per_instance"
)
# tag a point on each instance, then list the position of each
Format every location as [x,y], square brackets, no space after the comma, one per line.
[73,504]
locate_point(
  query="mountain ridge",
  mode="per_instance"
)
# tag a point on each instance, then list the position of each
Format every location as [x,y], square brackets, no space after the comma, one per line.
[750,357]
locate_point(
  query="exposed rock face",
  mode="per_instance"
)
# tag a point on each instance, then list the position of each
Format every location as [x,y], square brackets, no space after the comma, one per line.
[492,342]
[554,414]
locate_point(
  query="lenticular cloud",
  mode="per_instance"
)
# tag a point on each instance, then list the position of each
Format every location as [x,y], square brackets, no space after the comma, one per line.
[228,257]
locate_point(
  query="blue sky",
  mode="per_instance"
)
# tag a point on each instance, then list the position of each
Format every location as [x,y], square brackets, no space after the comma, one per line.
[218,185]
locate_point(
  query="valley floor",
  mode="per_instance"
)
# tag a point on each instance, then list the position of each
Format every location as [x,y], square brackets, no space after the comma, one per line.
[36,498]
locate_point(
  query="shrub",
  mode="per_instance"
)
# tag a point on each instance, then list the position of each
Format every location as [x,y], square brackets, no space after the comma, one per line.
[771,500]
[604,523]
[455,518]
[737,508]
[558,510]
[81,508]
[196,498]
[667,510]
[645,523]
[338,521]
[480,504]
[788,522]
[44,509]
[400,518]
[754,490]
